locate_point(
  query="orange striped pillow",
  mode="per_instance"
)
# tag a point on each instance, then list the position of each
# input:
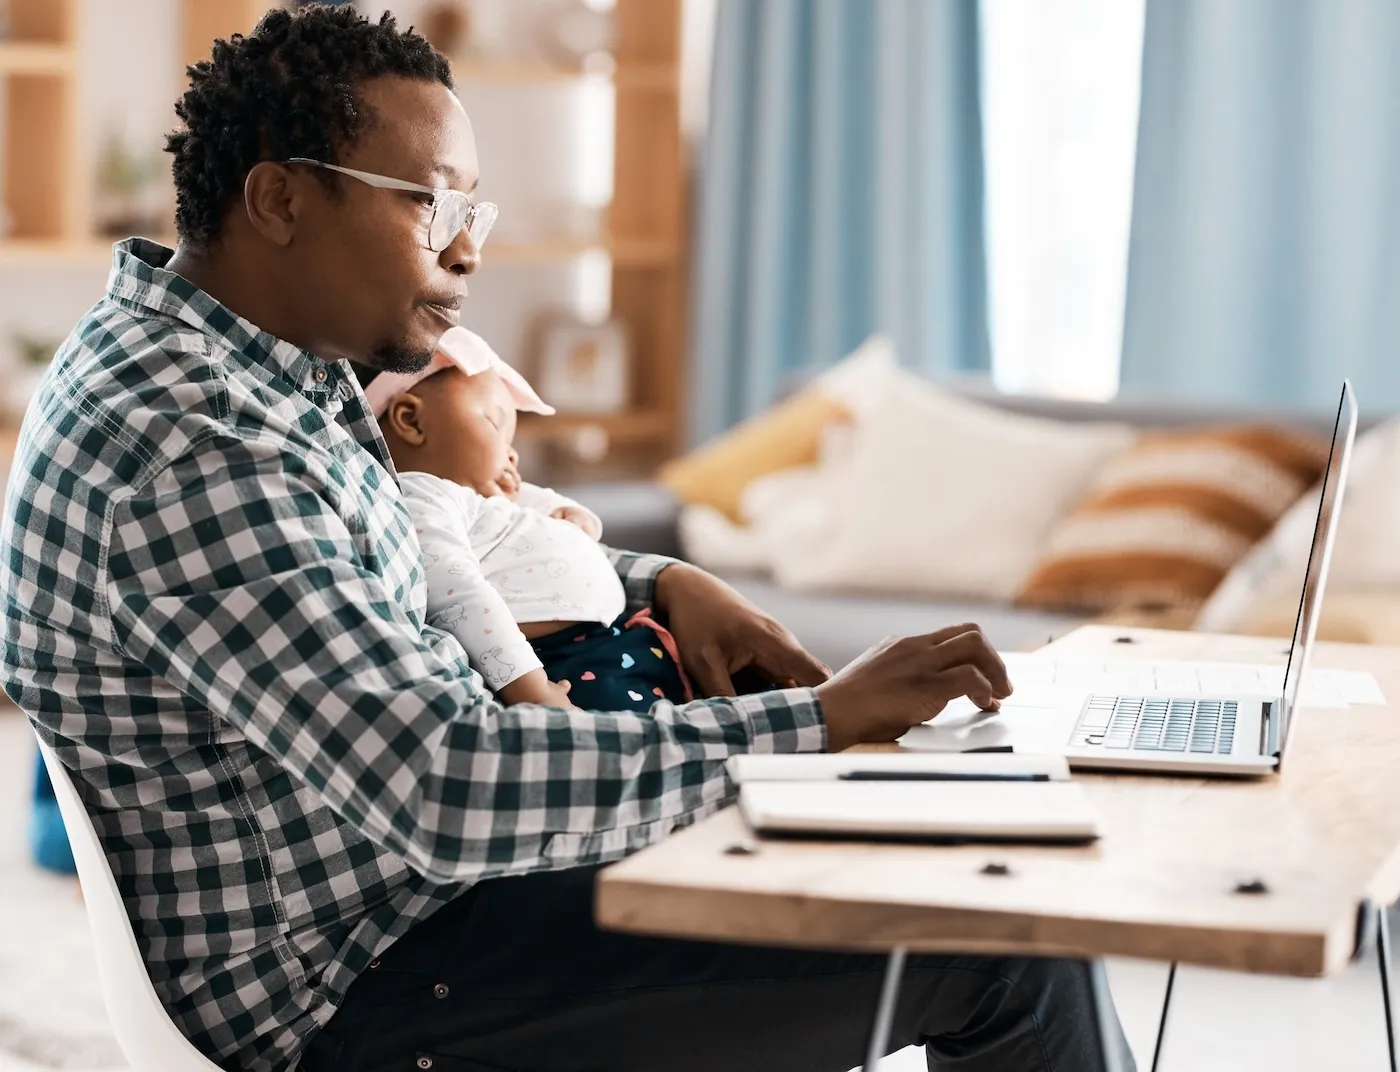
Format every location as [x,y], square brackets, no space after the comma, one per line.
[1167,519]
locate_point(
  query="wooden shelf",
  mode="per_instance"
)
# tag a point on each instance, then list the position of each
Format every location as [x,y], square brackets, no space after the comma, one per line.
[648,76]
[477,73]
[624,254]
[633,426]
[37,57]
[24,252]
[39,252]
[637,76]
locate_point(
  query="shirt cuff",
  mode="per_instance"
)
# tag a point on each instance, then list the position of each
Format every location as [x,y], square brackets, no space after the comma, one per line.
[784,721]
[638,574]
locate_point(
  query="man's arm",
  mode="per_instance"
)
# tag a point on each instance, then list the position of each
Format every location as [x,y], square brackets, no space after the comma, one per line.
[233,577]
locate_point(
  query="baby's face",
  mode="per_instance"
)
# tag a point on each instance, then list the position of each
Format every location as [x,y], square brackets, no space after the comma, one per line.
[471,429]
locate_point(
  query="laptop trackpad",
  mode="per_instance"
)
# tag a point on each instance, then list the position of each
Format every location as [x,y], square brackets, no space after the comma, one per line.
[1026,727]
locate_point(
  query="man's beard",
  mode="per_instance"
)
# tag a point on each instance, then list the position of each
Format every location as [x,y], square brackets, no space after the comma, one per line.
[399,357]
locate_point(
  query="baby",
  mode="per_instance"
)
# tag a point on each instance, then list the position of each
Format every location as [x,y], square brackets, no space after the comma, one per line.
[515,572]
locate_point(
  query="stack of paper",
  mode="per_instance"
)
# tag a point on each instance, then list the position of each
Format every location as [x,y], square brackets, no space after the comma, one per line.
[1038,678]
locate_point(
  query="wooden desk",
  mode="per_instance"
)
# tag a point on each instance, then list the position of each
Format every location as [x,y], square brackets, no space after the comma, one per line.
[1323,836]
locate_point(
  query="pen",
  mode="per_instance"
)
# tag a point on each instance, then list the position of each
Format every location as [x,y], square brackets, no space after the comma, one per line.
[936,776]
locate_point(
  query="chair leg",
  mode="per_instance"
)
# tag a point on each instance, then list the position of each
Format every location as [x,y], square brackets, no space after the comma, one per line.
[1383,955]
[884,1014]
[1162,1025]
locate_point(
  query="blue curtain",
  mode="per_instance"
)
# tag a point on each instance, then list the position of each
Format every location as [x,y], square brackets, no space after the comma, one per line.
[841,194]
[1265,253]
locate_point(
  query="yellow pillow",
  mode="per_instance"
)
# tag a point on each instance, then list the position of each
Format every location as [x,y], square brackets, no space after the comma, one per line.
[785,436]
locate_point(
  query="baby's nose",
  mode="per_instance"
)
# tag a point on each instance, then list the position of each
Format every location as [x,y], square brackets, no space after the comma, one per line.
[512,456]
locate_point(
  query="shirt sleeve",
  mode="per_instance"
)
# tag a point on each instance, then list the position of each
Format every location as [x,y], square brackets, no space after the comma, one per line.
[231,576]
[638,574]
[460,599]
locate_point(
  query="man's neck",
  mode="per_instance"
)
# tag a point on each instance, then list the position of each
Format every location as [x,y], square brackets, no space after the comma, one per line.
[252,295]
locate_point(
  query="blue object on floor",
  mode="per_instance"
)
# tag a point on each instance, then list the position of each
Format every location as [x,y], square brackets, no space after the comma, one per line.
[48,840]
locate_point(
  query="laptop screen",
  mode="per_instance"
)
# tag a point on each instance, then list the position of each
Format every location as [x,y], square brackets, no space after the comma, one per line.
[1319,557]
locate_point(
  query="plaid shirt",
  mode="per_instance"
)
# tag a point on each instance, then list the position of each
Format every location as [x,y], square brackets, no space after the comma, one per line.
[214,612]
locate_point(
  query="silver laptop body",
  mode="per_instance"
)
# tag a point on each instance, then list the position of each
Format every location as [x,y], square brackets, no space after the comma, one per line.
[1222,734]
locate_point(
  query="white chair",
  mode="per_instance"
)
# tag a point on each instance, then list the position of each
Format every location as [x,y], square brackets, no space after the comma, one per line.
[147,1036]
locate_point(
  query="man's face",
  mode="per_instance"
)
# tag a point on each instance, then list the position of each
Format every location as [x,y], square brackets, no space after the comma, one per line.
[380,296]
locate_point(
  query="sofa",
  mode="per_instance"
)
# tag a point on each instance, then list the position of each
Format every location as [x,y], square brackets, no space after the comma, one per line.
[837,626]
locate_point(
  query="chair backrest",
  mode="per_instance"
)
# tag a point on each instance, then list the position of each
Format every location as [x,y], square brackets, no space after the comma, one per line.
[147,1036]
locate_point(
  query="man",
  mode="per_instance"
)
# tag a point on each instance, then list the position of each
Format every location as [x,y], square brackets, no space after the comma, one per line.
[320,821]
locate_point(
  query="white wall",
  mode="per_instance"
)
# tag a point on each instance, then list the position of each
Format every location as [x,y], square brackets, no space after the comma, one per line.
[1059,112]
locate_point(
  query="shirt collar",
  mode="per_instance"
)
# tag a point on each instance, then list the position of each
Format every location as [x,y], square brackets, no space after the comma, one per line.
[140,282]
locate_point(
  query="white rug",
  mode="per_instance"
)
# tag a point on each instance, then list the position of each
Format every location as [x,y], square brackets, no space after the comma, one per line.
[51,1012]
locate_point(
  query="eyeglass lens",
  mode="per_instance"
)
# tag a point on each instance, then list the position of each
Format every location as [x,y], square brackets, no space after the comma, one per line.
[451,214]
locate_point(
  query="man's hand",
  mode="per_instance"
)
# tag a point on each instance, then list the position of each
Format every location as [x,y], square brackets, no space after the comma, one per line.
[901,683]
[582,518]
[719,632]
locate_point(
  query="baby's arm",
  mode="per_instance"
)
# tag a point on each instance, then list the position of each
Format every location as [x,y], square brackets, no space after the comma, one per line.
[550,502]
[463,603]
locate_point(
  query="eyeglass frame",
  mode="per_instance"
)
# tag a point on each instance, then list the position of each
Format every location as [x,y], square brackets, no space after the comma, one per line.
[476,210]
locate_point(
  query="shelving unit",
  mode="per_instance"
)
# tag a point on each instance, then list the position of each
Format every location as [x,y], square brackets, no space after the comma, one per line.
[649,208]
[43,188]
[47,190]
[646,222]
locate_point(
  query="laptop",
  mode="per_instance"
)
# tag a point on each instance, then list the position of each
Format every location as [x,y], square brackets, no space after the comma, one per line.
[1222,734]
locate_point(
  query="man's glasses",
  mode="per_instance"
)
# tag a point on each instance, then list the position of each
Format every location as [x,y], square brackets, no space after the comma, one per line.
[452,209]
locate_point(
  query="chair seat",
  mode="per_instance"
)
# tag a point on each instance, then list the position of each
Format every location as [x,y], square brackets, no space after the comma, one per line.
[148,1038]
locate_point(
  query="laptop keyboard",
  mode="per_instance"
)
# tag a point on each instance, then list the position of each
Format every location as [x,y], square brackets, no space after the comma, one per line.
[1160,725]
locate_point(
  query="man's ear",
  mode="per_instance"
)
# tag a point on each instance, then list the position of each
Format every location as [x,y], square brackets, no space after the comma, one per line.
[273,197]
[405,417]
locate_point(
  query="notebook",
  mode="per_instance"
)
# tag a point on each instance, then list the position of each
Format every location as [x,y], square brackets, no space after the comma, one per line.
[937,798]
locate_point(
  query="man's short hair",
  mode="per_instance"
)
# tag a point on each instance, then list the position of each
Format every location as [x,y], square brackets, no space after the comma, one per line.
[290,88]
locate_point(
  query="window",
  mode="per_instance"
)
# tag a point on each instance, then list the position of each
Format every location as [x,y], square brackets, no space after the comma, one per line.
[1060,83]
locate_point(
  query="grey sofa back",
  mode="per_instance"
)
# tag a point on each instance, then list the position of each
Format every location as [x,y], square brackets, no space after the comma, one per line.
[1139,410]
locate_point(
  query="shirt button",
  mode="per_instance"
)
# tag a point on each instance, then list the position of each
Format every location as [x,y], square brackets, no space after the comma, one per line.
[440,991]
[320,374]
[425,1062]
[374,963]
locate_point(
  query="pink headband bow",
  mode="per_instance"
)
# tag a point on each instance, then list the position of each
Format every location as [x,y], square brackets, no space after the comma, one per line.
[467,351]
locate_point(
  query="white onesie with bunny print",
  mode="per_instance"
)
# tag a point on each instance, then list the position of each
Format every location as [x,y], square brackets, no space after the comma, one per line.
[492,563]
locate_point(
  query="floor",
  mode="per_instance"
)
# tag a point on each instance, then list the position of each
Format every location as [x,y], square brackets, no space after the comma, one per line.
[1220,1022]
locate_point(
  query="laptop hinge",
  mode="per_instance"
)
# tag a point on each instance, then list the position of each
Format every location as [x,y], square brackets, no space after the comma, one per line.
[1268,729]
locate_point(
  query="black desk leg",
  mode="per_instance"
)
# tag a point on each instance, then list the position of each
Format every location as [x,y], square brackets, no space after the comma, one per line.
[1110,1037]
[1162,1026]
[884,1014]
[1383,955]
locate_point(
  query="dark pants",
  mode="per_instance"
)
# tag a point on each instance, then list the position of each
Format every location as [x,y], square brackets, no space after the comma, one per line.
[611,667]
[515,976]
